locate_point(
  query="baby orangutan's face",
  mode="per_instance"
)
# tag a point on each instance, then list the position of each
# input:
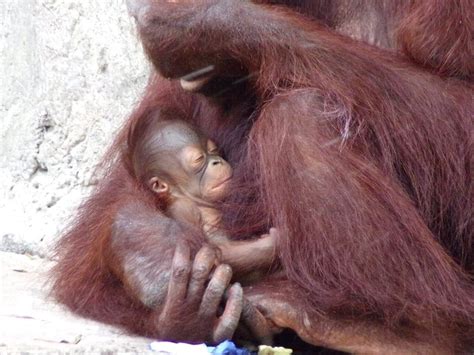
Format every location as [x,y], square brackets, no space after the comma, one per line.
[190,163]
[208,169]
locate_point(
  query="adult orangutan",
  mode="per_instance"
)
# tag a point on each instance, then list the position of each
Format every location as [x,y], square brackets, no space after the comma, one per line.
[435,34]
[361,159]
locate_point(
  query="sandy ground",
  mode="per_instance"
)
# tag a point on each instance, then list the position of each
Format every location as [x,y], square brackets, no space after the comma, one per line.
[33,324]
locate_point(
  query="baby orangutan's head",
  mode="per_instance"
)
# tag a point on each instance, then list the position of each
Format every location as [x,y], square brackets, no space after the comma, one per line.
[174,160]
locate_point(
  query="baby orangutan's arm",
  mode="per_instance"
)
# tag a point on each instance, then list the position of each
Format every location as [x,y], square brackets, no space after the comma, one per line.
[246,257]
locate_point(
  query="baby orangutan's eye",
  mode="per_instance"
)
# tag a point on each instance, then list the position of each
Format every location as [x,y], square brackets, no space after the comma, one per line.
[199,159]
[198,163]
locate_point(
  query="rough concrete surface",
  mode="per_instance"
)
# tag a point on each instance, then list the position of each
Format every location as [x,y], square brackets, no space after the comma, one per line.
[70,71]
[31,323]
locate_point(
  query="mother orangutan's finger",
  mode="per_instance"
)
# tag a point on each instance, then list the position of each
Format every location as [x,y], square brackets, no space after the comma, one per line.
[203,263]
[258,325]
[178,284]
[215,291]
[227,323]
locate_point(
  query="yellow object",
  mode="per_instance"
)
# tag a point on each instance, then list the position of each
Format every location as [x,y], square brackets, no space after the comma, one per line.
[268,350]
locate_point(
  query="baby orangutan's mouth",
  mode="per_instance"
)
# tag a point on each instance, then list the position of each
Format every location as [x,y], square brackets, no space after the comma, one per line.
[222,183]
[196,80]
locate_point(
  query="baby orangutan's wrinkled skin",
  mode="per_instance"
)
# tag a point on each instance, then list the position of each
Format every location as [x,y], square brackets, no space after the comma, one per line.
[187,175]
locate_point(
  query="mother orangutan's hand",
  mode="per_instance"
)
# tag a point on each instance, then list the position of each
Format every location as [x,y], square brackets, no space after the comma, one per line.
[192,302]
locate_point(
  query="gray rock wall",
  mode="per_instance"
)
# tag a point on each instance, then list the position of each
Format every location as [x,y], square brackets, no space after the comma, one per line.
[71,71]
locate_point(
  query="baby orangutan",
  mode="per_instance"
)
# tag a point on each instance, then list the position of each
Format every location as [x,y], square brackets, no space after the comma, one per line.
[188,176]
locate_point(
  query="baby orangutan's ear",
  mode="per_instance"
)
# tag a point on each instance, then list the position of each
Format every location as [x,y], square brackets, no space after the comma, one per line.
[158,186]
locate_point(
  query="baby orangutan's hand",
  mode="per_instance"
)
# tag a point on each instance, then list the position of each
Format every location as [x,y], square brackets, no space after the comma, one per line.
[253,256]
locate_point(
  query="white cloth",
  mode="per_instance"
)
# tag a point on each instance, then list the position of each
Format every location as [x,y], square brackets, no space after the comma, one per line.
[169,348]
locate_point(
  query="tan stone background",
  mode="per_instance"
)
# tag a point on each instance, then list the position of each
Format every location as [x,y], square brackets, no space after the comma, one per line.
[30,323]
[70,71]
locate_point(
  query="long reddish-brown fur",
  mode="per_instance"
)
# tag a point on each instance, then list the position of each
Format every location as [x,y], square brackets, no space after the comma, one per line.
[360,158]
[439,35]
